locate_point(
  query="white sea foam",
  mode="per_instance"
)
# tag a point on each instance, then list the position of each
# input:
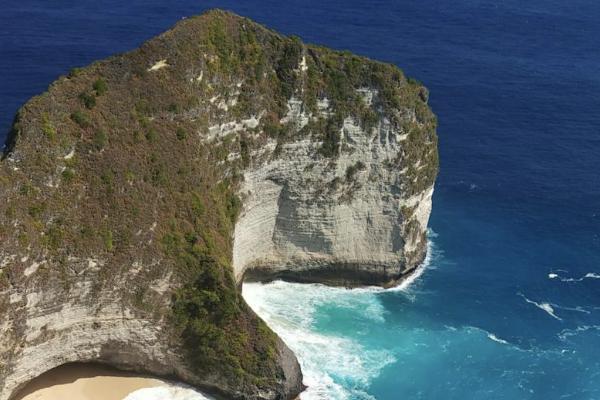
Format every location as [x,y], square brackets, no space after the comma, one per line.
[589,275]
[167,392]
[490,335]
[496,338]
[578,309]
[547,307]
[432,254]
[290,308]
[334,366]
[406,283]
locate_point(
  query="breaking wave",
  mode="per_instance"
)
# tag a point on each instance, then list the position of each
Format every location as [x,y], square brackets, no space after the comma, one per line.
[326,360]
[334,366]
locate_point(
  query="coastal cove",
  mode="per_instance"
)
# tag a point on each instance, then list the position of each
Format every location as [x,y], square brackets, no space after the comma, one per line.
[96,382]
[507,305]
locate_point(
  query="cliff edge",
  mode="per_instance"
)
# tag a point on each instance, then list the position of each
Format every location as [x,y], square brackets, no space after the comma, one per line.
[138,192]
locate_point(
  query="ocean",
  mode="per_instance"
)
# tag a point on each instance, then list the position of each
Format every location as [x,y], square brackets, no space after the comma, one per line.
[507,305]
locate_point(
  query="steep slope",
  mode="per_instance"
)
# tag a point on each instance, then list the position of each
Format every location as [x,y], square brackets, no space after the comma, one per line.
[137,192]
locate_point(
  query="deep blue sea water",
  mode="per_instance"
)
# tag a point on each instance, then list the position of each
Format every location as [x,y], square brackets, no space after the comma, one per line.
[508,306]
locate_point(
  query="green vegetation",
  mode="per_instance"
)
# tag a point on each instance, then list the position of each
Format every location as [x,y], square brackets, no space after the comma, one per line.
[74,72]
[100,139]
[287,65]
[107,178]
[68,175]
[272,127]
[181,133]
[89,100]
[151,135]
[353,169]
[80,119]
[245,152]
[174,108]
[100,86]
[54,235]
[36,210]
[159,175]
[209,309]
[47,127]
[331,137]
[108,240]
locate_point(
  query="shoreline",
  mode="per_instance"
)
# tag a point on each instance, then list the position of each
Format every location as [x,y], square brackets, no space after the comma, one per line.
[86,382]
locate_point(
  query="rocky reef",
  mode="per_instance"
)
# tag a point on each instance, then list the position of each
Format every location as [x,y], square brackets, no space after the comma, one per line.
[138,192]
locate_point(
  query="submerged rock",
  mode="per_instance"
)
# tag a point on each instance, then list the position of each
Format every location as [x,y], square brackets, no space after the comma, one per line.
[137,192]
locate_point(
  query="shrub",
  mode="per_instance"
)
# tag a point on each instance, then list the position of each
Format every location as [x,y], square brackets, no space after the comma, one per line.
[80,119]
[100,139]
[159,176]
[331,140]
[234,206]
[108,240]
[151,135]
[89,100]
[287,64]
[100,86]
[36,210]
[353,169]
[48,128]
[68,175]
[245,152]
[181,134]
[74,72]
[108,178]
[54,234]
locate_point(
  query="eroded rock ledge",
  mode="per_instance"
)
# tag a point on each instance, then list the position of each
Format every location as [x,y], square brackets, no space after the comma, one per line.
[136,193]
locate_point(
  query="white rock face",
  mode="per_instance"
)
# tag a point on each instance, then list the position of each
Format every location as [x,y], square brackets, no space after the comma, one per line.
[159,65]
[307,218]
[78,325]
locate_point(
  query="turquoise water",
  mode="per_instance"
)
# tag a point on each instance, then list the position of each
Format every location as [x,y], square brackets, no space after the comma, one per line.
[381,344]
[508,306]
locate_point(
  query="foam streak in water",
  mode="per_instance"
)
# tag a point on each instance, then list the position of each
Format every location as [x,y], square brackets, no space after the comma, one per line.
[589,275]
[496,338]
[567,333]
[547,307]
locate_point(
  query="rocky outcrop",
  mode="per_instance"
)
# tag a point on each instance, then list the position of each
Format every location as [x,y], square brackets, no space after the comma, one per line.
[345,223]
[137,193]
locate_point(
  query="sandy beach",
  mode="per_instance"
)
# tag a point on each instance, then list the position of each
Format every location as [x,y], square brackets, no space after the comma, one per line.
[85,382]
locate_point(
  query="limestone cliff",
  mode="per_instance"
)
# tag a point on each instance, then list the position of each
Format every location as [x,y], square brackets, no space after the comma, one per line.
[137,192]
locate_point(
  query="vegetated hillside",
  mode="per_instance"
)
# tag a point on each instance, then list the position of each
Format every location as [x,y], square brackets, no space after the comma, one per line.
[121,175]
